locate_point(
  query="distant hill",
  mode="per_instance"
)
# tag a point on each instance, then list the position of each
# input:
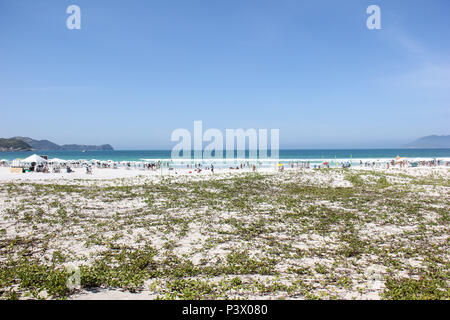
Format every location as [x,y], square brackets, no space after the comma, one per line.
[80,147]
[13,144]
[46,145]
[39,144]
[431,142]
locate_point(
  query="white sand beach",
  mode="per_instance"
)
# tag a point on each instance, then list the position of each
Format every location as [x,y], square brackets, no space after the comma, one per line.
[358,233]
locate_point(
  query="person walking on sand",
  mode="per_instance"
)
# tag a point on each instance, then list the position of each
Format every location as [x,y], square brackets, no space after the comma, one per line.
[212,169]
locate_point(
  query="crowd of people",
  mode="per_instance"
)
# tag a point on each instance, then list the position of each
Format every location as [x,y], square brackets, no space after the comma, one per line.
[68,166]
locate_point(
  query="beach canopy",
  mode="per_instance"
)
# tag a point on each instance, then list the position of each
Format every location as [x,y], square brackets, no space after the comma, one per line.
[400,159]
[56,160]
[34,158]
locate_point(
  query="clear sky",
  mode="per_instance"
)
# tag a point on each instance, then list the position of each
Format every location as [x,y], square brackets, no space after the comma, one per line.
[137,70]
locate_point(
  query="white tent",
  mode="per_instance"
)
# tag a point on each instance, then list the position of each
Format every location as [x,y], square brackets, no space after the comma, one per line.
[34,158]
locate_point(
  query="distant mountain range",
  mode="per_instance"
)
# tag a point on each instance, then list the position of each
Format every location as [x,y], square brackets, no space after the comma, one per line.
[438,142]
[27,144]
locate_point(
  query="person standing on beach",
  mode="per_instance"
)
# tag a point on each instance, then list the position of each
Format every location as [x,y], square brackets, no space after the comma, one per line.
[212,168]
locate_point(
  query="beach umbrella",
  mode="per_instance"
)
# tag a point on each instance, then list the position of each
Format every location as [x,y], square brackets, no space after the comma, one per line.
[400,159]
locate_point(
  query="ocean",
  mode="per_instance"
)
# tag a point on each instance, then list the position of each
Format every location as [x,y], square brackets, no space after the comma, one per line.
[297,155]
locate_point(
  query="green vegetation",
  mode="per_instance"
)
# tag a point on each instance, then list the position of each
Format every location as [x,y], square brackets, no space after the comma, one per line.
[422,289]
[330,234]
[13,144]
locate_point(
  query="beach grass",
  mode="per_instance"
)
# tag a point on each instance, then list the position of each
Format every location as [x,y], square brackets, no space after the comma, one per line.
[311,234]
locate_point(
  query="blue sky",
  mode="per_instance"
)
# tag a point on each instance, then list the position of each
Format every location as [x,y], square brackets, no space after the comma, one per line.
[137,70]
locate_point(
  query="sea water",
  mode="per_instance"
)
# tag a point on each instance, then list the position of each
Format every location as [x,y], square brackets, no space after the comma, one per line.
[313,156]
